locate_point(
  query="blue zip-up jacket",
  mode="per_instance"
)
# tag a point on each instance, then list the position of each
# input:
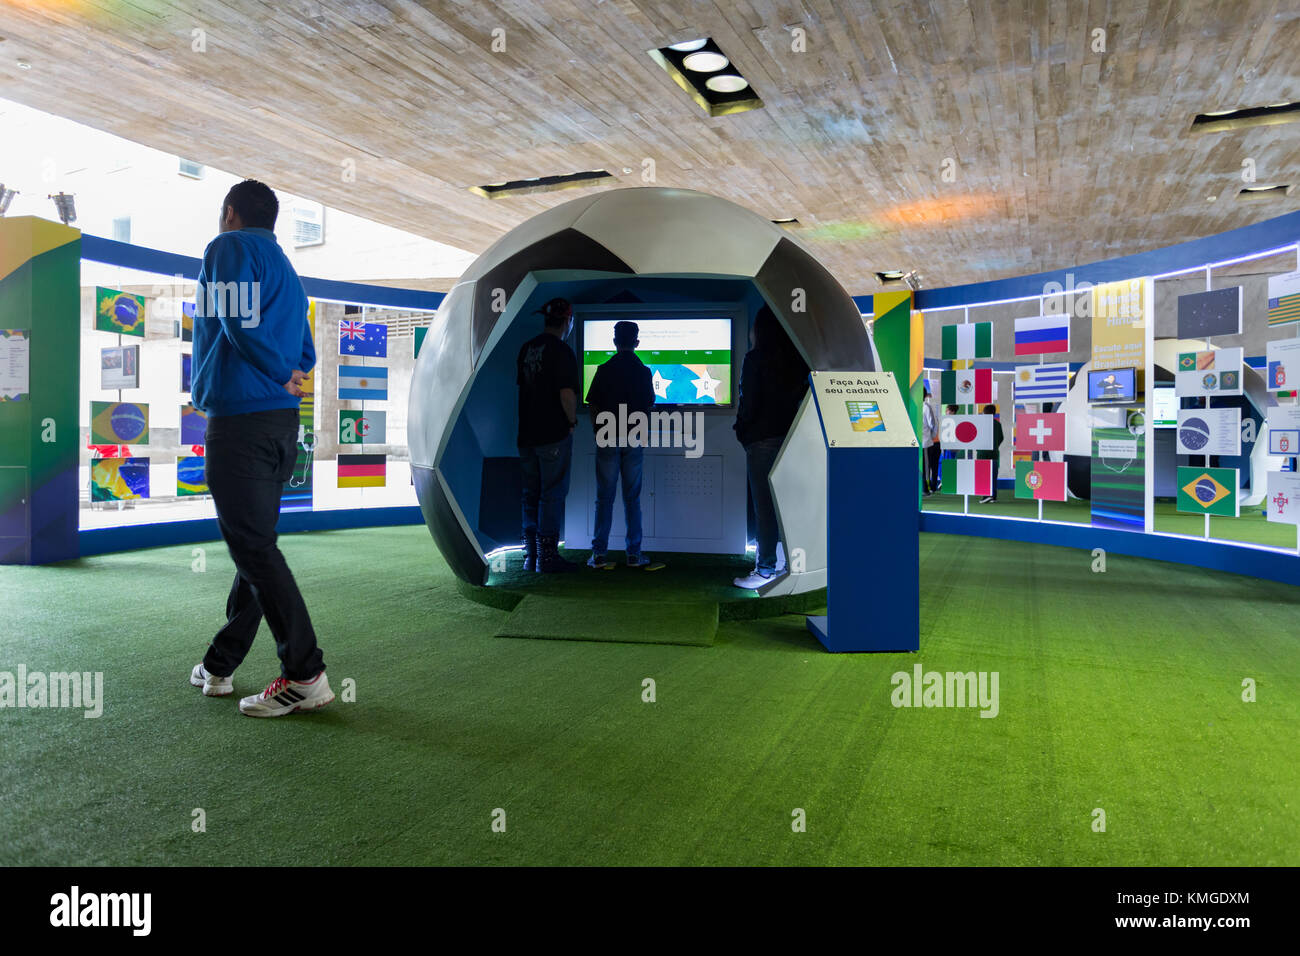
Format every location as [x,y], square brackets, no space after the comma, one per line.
[250,326]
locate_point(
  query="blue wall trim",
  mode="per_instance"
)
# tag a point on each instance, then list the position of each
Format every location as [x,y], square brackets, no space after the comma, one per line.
[1219,556]
[113,253]
[1282,231]
[109,540]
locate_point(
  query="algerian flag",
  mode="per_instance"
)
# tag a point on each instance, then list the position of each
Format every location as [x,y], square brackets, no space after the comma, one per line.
[361,428]
[970,341]
[965,477]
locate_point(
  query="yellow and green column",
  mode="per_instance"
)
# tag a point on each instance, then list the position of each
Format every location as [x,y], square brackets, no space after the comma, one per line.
[40,345]
[899,333]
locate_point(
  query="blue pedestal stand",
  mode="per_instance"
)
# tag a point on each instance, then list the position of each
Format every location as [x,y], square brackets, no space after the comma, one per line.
[873,550]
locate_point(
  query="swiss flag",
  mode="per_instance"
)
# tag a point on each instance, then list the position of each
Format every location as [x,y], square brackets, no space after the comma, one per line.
[1040,431]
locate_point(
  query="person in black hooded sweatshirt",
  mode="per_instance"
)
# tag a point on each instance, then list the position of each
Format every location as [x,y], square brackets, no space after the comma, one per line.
[773,380]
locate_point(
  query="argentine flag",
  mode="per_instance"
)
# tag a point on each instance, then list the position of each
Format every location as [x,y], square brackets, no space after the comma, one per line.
[363,383]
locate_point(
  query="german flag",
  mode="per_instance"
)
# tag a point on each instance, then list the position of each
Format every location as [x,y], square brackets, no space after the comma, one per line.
[362,471]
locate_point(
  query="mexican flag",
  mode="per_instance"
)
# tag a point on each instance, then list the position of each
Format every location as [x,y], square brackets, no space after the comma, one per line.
[968,477]
[970,341]
[1043,480]
[967,386]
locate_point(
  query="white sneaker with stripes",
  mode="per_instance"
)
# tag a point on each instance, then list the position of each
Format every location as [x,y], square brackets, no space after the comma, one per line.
[283,696]
[212,685]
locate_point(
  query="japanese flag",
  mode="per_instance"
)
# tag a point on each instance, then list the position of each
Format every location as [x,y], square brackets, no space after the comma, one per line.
[967,431]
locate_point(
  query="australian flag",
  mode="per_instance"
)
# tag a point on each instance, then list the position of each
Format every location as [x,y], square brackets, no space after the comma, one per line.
[363,338]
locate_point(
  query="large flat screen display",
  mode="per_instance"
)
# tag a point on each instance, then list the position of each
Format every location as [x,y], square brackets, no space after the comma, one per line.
[689,358]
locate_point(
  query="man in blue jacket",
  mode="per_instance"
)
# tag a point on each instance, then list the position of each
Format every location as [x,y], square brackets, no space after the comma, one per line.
[252,348]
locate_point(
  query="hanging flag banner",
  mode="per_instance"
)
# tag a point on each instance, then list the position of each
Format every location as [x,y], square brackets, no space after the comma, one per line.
[1203,314]
[362,471]
[363,338]
[1208,491]
[119,312]
[1209,431]
[1040,431]
[968,386]
[1283,363]
[1042,334]
[1284,298]
[363,383]
[966,431]
[1216,372]
[1043,480]
[119,423]
[970,341]
[1284,430]
[1042,383]
[1119,325]
[361,428]
[967,477]
[1284,497]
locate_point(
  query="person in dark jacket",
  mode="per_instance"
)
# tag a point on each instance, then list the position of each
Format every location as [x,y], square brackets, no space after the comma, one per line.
[622,387]
[994,455]
[546,372]
[773,380]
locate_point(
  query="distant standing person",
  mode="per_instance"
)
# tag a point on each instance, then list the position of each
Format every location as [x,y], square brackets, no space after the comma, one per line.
[549,383]
[252,349]
[773,380]
[930,446]
[994,455]
[622,385]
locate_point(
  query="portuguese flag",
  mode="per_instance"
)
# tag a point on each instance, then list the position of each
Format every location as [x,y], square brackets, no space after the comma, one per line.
[362,471]
[1043,480]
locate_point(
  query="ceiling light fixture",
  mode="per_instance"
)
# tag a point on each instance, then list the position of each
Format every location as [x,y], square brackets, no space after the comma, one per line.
[1220,121]
[6,197]
[726,83]
[697,67]
[539,184]
[706,61]
[65,207]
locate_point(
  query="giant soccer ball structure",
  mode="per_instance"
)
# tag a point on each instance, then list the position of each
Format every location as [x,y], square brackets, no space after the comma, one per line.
[463,402]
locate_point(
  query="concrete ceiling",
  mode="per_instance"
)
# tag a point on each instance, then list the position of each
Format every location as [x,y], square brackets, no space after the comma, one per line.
[1056,152]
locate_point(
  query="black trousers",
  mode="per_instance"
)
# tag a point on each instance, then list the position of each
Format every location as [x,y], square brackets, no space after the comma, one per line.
[932,453]
[248,460]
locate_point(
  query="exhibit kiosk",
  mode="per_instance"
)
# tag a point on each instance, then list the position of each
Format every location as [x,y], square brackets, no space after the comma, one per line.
[873,589]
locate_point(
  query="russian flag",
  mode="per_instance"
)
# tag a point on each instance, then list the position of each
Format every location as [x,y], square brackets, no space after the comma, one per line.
[1041,334]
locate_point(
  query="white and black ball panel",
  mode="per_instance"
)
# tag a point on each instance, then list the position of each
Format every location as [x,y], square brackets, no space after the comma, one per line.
[822,319]
[529,231]
[661,231]
[567,249]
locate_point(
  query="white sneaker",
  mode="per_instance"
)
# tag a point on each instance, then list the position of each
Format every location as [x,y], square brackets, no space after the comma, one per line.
[284,696]
[755,579]
[212,685]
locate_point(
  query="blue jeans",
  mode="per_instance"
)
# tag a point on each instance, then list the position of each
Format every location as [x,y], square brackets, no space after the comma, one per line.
[546,484]
[610,464]
[759,458]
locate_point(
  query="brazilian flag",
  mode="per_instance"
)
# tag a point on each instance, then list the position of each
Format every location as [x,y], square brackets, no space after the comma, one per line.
[1211,491]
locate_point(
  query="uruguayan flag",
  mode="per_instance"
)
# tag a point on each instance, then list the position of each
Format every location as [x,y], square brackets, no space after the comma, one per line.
[363,383]
[1042,383]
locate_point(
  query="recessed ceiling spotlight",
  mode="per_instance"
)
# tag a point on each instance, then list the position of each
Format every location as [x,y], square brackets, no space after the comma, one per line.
[24,65]
[726,83]
[787,221]
[538,184]
[1219,121]
[626,170]
[705,62]
[687,46]
[890,275]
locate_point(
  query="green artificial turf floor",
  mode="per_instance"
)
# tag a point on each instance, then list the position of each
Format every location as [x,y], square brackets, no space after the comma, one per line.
[1251,527]
[1119,691]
